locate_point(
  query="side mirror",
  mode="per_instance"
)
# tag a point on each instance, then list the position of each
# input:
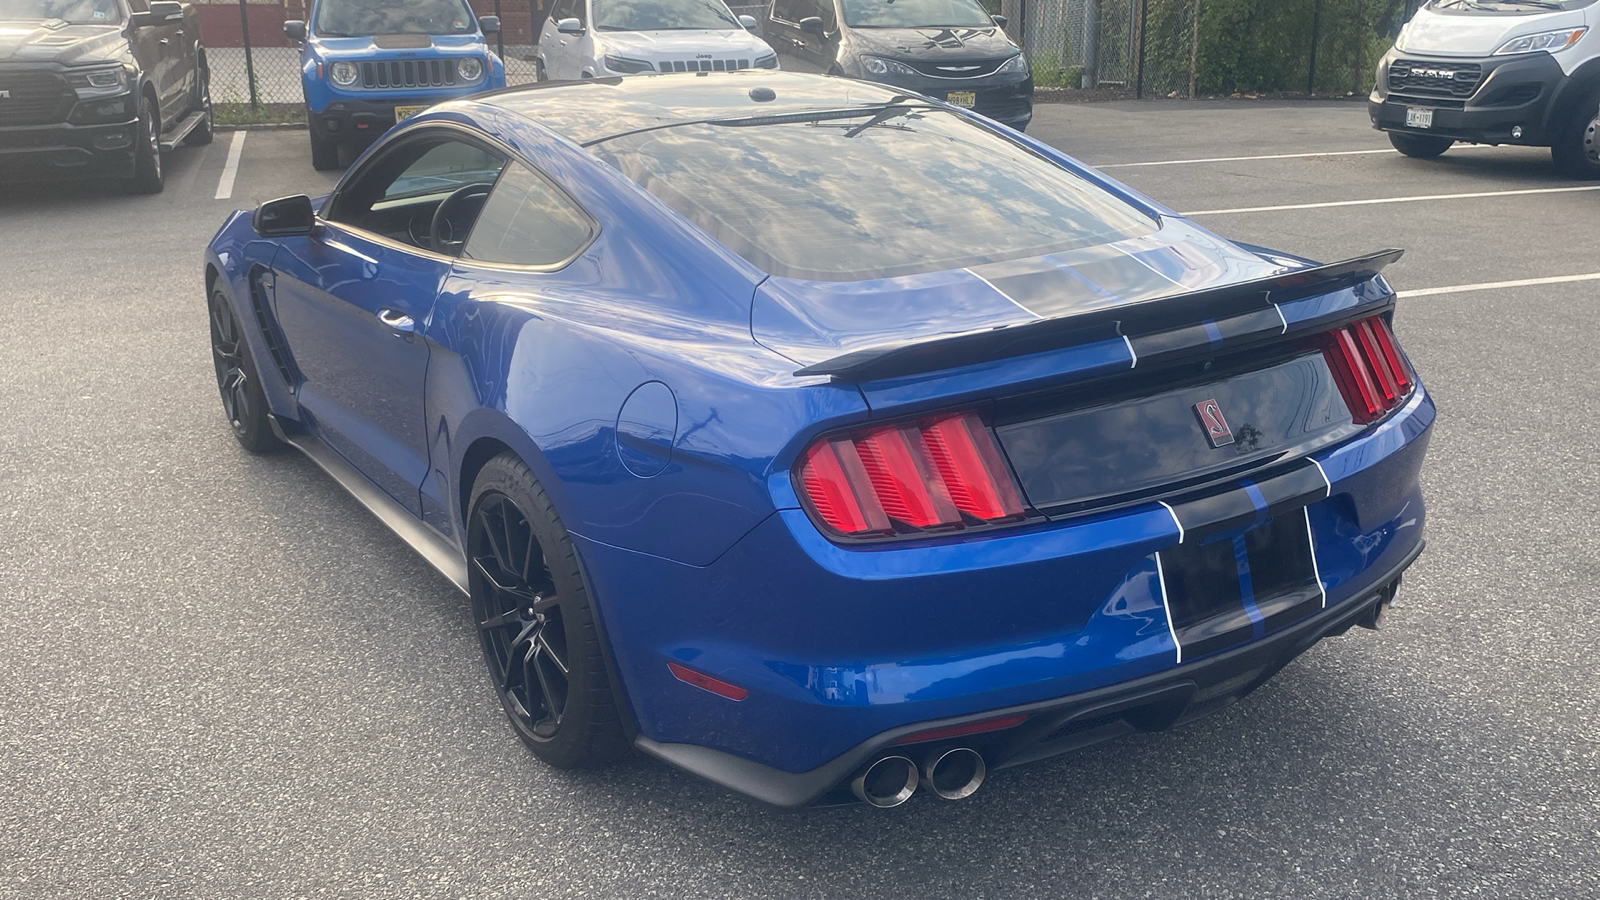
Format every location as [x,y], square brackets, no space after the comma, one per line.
[811,25]
[159,13]
[750,24]
[569,26]
[489,24]
[285,217]
[1002,21]
[295,30]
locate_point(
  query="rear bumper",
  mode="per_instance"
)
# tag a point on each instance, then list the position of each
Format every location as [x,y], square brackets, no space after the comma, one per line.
[1515,92]
[1153,703]
[845,649]
[48,152]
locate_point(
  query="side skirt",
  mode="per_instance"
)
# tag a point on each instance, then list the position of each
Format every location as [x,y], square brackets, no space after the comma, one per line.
[438,552]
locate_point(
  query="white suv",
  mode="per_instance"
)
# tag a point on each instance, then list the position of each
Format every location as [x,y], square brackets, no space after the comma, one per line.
[1495,72]
[596,38]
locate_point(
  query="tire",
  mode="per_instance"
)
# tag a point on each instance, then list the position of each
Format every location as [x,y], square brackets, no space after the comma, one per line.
[1418,146]
[538,71]
[204,132]
[147,176]
[1576,152]
[238,381]
[536,622]
[324,153]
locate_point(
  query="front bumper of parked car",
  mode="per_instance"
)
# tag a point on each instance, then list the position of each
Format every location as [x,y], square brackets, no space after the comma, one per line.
[1006,98]
[68,151]
[1510,102]
[846,652]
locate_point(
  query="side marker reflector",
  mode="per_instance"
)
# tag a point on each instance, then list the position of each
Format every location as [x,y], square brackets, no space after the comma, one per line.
[706,682]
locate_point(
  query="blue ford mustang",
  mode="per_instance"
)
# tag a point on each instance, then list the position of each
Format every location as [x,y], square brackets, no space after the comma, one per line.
[821,439]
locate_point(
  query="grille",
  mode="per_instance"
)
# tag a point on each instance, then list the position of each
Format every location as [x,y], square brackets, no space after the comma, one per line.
[1435,79]
[408,73]
[948,69]
[37,98]
[704,65]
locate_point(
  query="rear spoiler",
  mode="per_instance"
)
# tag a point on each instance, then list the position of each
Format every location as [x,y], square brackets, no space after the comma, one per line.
[1130,320]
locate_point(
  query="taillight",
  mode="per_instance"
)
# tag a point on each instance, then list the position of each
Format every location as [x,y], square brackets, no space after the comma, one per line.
[938,474]
[1366,362]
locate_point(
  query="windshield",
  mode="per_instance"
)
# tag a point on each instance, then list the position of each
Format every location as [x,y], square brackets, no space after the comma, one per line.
[1520,7]
[73,12]
[663,15]
[362,18]
[849,195]
[915,14]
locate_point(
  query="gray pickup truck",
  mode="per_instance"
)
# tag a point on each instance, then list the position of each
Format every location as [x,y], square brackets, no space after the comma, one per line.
[99,89]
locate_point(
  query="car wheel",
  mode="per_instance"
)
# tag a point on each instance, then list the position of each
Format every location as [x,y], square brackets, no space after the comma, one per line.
[147,177]
[536,622]
[243,401]
[324,153]
[1577,150]
[202,133]
[539,72]
[1419,146]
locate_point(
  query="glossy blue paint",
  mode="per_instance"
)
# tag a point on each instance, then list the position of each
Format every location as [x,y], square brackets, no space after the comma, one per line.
[650,386]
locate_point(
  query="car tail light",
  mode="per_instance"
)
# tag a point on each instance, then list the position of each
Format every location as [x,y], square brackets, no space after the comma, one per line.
[1366,362]
[938,474]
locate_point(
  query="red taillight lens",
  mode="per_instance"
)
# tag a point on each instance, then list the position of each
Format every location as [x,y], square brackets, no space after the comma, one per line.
[1366,362]
[936,474]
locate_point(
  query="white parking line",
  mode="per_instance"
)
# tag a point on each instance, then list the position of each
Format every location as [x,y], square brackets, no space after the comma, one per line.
[1223,159]
[230,171]
[1497,285]
[1383,200]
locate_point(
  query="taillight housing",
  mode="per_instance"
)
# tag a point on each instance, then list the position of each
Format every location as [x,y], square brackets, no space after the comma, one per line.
[1372,374]
[935,475]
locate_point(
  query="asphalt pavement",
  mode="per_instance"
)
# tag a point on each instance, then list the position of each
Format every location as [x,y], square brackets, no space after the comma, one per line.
[221,677]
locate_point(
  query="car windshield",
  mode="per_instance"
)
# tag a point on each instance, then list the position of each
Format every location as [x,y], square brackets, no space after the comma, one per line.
[874,193]
[362,18]
[915,14]
[73,12]
[663,15]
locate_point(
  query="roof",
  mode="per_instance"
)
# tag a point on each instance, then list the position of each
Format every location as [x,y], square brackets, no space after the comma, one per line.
[596,109]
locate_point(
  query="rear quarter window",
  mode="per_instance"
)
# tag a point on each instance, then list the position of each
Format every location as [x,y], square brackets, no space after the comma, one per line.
[850,199]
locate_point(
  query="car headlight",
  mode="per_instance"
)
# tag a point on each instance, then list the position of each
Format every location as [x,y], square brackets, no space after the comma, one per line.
[99,83]
[344,74]
[767,62]
[470,69]
[877,65]
[1548,41]
[1018,63]
[625,66]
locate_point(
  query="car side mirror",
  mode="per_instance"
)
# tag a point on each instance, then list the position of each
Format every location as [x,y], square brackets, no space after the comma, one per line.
[569,26]
[811,25]
[285,217]
[295,30]
[1002,21]
[489,24]
[159,13]
[750,24]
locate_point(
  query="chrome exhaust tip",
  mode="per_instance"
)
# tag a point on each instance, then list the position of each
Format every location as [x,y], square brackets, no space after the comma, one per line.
[886,783]
[954,774]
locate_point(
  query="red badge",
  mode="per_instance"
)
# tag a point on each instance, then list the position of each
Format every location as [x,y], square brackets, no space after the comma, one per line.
[1212,421]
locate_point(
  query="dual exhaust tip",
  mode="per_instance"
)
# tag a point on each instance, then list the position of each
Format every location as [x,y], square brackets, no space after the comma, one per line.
[951,774]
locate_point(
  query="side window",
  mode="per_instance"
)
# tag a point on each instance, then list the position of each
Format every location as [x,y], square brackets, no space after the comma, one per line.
[139,6]
[399,192]
[783,10]
[580,8]
[562,10]
[528,222]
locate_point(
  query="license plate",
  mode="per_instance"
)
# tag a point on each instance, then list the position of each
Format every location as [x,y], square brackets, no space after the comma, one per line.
[1419,118]
[401,113]
[966,99]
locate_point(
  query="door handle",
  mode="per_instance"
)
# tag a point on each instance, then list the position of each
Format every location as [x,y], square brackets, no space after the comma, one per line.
[402,324]
[163,42]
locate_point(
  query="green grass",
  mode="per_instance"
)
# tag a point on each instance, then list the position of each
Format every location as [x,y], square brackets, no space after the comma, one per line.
[265,114]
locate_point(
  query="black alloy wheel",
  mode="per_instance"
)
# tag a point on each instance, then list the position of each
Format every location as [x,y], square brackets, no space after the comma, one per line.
[202,133]
[243,402]
[147,177]
[519,616]
[535,623]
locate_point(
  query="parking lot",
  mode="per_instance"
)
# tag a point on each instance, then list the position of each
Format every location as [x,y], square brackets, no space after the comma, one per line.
[223,678]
